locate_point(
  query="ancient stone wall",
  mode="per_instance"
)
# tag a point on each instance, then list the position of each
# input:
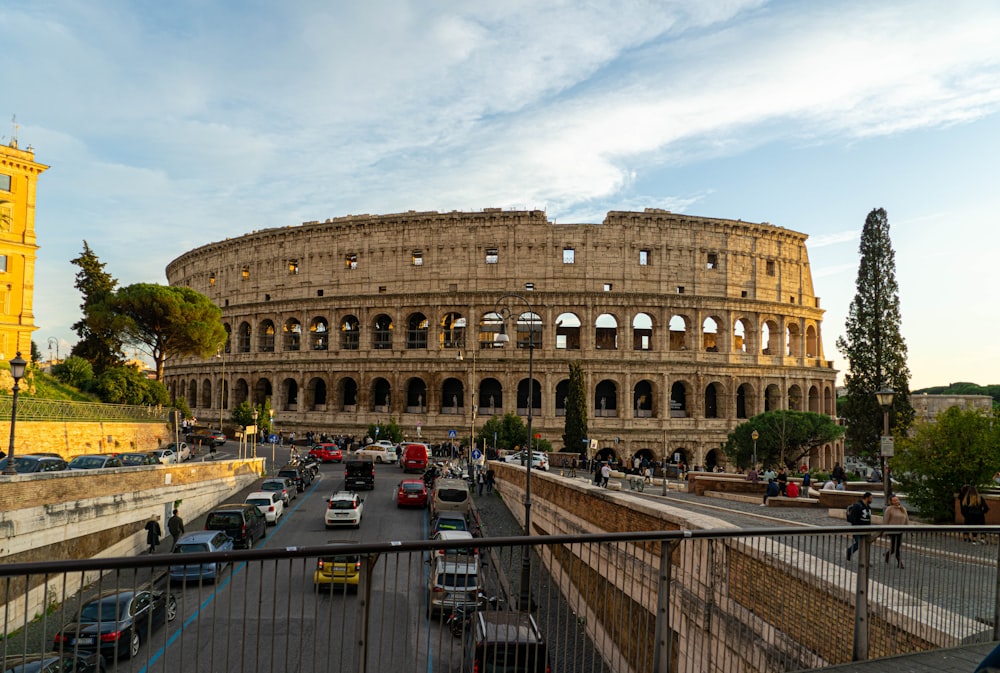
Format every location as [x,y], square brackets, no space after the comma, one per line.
[683,325]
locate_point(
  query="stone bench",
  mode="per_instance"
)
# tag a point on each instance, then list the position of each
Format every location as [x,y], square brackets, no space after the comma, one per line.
[700,484]
[838,499]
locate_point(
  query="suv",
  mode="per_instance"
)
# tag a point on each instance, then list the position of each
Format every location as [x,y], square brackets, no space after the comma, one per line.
[505,641]
[454,584]
[359,474]
[239,520]
[206,437]
[300,477]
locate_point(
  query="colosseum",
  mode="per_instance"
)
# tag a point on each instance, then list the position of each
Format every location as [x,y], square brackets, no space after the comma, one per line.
[683,326]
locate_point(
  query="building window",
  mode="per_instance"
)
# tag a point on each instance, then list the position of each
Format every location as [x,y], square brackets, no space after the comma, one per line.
[319,293]
[211,279]
[293,266]
[644,258]
[351,261]
[381,289]
[3,263]
[529,286]
[492,255]
[417,259]
[713,261]
[770,267]
[680,289]
[569,256]
[607,287]
[4,182]
[245,272]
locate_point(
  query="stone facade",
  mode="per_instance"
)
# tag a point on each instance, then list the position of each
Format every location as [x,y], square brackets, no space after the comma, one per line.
[927,407]
[684,326]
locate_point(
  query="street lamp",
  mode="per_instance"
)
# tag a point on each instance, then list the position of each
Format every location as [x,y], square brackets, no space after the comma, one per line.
[475,404]
[256,431]
[502,338]
[221,353]
[17,366]
[755,436]
[884,398]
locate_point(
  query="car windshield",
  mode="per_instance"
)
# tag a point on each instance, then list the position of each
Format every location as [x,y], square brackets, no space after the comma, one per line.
[86,462]
[104,610]
[452,494]
[457,580]
[341,504]
[191,547]
[413,486]
[259,502]
[451,524]
[272,486]
[343,559]
[223,519]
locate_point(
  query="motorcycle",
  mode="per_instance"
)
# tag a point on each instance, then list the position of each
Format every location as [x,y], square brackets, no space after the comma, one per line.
[460,618]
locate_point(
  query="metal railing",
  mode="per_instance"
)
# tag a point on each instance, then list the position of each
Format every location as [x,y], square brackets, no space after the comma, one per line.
[39,409]
[732,600]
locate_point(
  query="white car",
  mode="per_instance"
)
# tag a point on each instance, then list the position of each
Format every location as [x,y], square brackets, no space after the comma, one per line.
[386,444]
[344,508]
[166,456]
[539,459]
[269,503]
[376,453]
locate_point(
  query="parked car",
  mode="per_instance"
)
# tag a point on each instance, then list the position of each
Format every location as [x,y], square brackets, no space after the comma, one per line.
[359,474]
[506,640]
[451,495]
[344,508]
[116,622]
[29,464]
[384,444]
[452,536]
[282,485]
[54,662]
[410,493]
[196,542]
[338,570]
[300,477]
[92,462]
[327,453]
[134,459]
[414,458]
[270,503]
[206,437]
[376,453]
[539,459]
[182,449]
[453,584]
[167,456]
[241,521]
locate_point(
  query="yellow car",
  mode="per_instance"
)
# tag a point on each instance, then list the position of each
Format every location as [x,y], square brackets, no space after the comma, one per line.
[338,570]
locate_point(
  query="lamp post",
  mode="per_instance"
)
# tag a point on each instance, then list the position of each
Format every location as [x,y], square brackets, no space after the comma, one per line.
[270,413]
[502,338]
[884,398]
[17,366]
[53,342]
[256,431]
[755,436]
[222,386]
[475,404]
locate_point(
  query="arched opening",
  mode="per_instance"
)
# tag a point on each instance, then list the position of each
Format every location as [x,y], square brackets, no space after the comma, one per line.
[814,402]
[267,333]
[740,333]
[522,398]
[678,400]
[290,388]
[319,334]
[350,334]
[712,394]
[381,395]
[206,395]
[262,391]
[606,332]
[416,331]
[678,333]
[243,338]
[562,392]
[292,334]
[491,396]
[229,333]
[348,391]
[416,396]
[382,333]
[795,398]
[568,332]
[767,329]
[772,398]
[452,331]
[606,399]
[793,341]
[642,332]
[642,399]
[192,396]
[710,335]
[316,394]
[490,326]
[529,327]
[812,342]
[452,396]
[242,393]
[713,459]
[744,401]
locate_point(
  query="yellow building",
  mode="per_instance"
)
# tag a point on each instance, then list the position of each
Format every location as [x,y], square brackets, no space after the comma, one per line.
[18,176]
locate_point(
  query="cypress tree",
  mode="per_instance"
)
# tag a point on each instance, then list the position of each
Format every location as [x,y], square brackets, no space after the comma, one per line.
[576,412]
[873,345]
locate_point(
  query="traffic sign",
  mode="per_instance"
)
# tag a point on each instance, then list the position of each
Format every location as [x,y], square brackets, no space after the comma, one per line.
[477,454]
[452,434]
[888,446]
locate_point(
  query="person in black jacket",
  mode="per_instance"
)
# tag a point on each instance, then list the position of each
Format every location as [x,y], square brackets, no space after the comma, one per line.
[153,533]
[859,514]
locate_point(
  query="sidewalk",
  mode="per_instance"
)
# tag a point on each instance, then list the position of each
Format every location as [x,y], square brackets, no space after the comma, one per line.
[952,660]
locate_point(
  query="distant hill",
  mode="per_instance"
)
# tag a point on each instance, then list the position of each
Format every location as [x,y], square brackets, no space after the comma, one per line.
[962,388]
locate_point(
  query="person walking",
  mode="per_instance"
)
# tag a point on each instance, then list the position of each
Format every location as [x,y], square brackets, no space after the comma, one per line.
[175,525]
[895,515]
[859,514]
[605,475]
[153,533]
[974,509]
[481,482]
[490,480]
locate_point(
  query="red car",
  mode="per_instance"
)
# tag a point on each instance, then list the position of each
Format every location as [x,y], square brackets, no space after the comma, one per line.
[411,493]
[327,453]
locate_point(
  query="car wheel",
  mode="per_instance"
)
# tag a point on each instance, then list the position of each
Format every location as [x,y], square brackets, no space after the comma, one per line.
[133,645]
[378,459]
[171,608]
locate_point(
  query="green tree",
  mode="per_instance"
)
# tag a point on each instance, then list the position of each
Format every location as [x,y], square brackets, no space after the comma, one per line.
[181,405]
[575,428]
[389,431]
[100,341]
[242,415]
[510,432]
[36,355]
[785,437]
[934,461]
[127,385]
[873,345]
[165,321]
[75,371]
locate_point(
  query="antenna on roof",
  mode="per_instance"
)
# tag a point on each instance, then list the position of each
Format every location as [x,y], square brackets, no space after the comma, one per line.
[13,138]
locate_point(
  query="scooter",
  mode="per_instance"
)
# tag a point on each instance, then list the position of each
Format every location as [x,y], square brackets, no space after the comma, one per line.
[460,618]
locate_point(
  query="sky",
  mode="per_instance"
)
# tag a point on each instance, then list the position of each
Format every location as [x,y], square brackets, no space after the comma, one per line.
[168,126]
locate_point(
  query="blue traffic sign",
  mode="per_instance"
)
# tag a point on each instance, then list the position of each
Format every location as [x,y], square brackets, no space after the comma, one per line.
[452,434]
[272,439]
[477,454]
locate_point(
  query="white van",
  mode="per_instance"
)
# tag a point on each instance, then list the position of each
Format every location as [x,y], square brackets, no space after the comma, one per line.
[451,495]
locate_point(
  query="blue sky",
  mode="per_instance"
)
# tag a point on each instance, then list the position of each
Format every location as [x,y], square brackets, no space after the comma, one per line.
[172,125]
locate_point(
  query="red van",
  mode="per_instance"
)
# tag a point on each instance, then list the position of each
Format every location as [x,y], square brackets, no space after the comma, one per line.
[414,458]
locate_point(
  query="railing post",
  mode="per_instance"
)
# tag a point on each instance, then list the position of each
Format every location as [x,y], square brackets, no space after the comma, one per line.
[996,598]
[860,651]
[663,647]
[364,602]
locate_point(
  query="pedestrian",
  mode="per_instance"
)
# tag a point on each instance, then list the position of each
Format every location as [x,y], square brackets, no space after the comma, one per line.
[605,474]
[481,482]
[806,482]
[838,474]
[175,525]
[490,479]
[772,490]
[752,476]
[782,480]
[974,509]
[153,533]
[792,490]
[895,515]
[859,514]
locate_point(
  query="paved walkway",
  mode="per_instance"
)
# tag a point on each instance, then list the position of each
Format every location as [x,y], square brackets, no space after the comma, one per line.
[952,660]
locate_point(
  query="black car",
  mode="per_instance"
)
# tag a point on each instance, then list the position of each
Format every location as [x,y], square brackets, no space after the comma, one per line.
[116,622]
[241,521]
[359,474]
[206,438]
[31,463]
[133,459]
[53,662]
[299,476]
